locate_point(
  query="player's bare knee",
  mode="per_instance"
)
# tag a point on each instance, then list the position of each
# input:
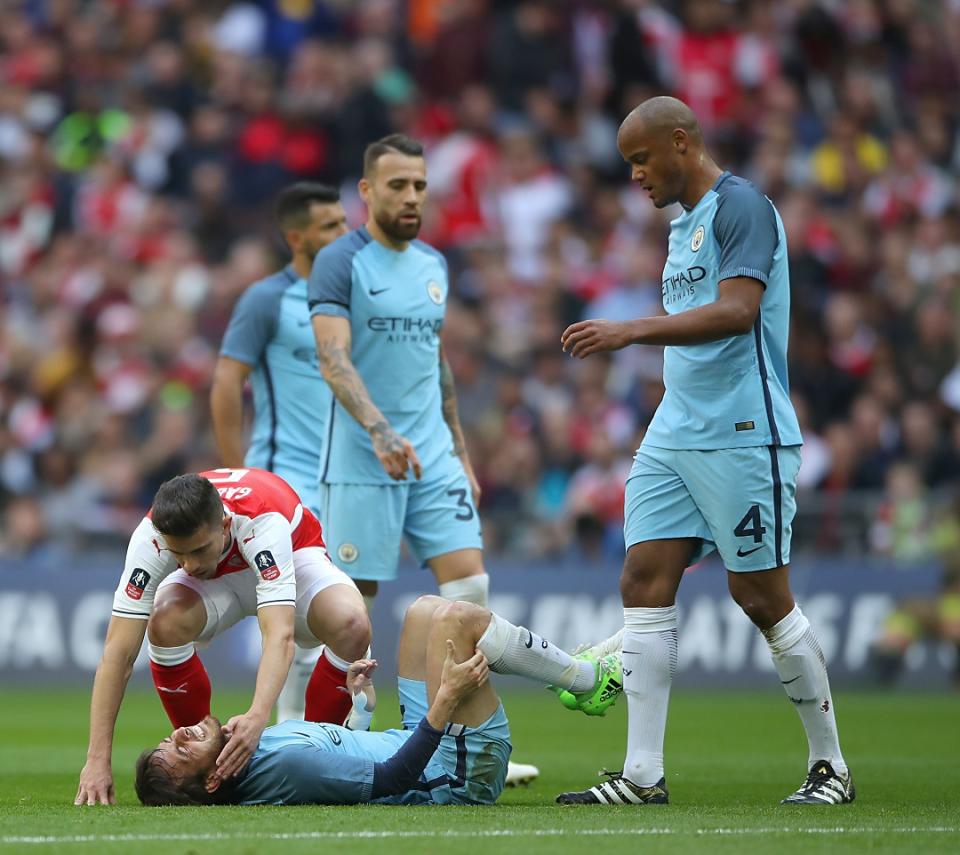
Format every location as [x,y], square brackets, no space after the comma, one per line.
[461,619]
[351,637]
[169,626]
[424,607]
[641,586]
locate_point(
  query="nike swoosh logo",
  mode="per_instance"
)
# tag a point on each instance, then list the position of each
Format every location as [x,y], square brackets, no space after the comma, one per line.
[788,682]
[743,554]
[305,323]
[529,644]
[378,291]
[180,690]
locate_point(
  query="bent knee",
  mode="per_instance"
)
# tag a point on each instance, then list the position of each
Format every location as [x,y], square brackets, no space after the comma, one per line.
[424,606]
[351,637]
[170,626]
[458,612]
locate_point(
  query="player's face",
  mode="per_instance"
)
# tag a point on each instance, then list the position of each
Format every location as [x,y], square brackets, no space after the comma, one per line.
[191,750]
[327,223]
[655,161]
[395,194]
[199,553]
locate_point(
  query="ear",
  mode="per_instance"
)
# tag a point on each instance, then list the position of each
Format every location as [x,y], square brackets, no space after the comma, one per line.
[226,523]
[680,140]
[292,237]
[363,186]
[212,782]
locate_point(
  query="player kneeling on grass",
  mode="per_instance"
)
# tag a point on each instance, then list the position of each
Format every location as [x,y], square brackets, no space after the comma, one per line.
[215,548]
[454,746]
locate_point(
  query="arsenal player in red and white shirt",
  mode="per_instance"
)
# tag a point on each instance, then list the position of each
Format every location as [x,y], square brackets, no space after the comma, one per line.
[217,547]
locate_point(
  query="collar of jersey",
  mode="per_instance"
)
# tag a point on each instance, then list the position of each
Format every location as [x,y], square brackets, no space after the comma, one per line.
[723,176]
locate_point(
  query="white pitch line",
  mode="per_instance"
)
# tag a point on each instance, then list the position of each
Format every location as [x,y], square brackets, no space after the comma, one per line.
[387,835]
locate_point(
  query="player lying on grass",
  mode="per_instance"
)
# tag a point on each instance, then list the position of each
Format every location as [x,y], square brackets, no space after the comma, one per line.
[215,548]
[454,746]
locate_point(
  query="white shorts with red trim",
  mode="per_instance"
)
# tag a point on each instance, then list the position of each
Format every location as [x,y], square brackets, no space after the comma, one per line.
[232,597]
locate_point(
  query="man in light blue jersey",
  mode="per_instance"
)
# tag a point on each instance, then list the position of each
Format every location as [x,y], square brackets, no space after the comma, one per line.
[269,342]
[378,297]
[718,464]
[455,741]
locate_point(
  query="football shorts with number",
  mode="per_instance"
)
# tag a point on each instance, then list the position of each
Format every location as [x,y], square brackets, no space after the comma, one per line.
[738,501]
[364,523]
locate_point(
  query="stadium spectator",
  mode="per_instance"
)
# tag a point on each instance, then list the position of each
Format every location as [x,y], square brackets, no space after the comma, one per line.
[137,142]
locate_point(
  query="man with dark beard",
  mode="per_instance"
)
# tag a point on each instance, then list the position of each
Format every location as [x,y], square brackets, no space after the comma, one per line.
[394,463]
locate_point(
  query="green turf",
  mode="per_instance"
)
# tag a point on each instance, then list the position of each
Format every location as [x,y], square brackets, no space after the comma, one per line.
[731,758]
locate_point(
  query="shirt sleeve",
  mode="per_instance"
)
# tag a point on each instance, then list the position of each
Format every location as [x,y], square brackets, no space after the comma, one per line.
[401,771]
[267,546]
[331,278]
[746,230]
[145,567]
[253,324]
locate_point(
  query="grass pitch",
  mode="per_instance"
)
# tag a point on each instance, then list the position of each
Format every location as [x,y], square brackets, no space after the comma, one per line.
[731,758]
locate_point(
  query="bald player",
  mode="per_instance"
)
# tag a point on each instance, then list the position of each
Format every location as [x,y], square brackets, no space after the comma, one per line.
[717,468]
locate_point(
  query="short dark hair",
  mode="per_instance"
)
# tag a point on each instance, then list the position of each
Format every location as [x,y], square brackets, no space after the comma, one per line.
[157,785]
[293,203]
[393,142]
[184,504]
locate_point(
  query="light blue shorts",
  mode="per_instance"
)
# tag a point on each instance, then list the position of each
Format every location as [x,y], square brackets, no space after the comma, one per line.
[363,524]
[739,501]
[474,759]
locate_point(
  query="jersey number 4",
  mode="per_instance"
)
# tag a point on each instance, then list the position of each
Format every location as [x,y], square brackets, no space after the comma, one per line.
[750,526]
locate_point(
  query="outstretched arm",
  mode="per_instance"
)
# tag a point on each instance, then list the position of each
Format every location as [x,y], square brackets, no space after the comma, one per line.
[124,638]
[243,731]
[334,341]
[732,313]
[452,418]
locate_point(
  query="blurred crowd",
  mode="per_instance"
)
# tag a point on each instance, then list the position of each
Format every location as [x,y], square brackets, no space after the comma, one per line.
[142,141]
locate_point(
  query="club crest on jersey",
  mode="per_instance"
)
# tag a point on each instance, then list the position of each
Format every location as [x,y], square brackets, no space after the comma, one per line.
[697,241]
[139,579]
[266,565]
[435,292]
[347,553]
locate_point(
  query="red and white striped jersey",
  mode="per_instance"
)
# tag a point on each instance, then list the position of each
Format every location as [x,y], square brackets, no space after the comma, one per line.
[268,523]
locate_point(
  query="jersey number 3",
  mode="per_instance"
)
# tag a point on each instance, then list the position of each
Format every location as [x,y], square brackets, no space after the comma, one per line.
[461,496]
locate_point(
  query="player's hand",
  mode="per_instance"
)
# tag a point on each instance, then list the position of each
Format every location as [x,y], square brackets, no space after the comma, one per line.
[462,679]
[394,452]
[586,337]
[96,785]
[243,736]
[359,676]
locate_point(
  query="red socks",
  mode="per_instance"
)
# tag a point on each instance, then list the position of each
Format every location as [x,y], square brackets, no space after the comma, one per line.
[326,697]
[185,690]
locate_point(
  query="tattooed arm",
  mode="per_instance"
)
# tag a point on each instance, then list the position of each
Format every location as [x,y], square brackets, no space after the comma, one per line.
[451,417]
[394,452]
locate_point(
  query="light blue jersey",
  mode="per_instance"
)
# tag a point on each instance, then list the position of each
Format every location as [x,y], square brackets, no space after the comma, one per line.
[300,762]
[395,302]
[303,762]
[270,330]
[731,393]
